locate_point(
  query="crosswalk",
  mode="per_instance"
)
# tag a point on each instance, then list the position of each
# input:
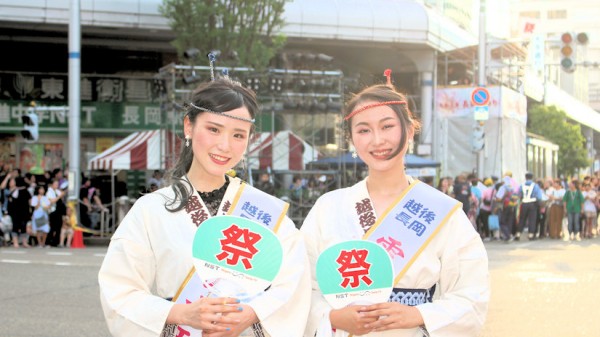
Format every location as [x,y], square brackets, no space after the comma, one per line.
[53,256]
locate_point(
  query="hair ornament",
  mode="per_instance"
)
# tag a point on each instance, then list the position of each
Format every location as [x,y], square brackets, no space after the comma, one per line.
[194,106]
[388,74]
[211,59]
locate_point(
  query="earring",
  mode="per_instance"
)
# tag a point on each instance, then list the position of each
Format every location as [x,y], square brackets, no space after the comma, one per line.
[354,155]
[187,141]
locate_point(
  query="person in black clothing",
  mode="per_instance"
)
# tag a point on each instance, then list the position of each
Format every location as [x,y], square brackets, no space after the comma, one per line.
[85,205]
[19,210]
[264,184]
[57,211]
[462,192]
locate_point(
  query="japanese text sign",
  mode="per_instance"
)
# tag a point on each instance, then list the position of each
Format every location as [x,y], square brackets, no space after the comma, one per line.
[235,249]
[355,272]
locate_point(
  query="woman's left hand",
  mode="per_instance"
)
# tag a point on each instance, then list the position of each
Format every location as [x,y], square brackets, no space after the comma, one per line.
[245,318]
[393,315]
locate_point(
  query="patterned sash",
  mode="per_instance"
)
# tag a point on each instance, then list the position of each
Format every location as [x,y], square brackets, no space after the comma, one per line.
[241,200]
[409,225]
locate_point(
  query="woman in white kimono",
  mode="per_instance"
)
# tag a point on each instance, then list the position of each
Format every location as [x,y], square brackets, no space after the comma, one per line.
[445,291]
[150,254]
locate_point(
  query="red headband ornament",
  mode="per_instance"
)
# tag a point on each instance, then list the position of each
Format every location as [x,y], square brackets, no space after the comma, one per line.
[366,107]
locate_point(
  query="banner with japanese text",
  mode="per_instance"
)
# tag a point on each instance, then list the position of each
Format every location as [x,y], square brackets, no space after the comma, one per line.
[406,228]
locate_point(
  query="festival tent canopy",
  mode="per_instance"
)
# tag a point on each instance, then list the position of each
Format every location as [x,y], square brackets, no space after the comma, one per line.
[283,150]
[142,150]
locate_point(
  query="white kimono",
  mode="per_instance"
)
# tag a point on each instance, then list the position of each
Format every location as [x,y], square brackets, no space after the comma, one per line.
[455,261]
[150,255]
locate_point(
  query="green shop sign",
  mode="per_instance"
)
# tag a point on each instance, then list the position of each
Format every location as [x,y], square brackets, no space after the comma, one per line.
[94,116]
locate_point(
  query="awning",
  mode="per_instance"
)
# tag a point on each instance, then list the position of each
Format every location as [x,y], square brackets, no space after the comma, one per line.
[144,150]
[282,151]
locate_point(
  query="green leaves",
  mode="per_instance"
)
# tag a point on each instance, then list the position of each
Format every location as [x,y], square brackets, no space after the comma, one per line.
[245,32]
[552,124]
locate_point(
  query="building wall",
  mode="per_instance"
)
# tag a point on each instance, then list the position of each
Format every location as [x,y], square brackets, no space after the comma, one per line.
[554,17]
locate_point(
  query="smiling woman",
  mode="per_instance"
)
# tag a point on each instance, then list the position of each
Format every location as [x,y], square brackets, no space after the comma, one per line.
[148,284]
[440,280]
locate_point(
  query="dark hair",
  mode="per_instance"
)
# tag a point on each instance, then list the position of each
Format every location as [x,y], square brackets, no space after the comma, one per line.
[220,95]
[384,93]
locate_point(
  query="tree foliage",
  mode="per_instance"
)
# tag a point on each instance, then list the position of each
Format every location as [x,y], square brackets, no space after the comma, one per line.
[552,124]
[245,32]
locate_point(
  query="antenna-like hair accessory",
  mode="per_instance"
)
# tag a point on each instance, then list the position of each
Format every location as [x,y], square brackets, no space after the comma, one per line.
[388,74]
[211,59]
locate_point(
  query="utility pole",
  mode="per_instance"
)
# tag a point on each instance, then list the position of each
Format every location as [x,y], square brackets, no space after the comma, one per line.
[481,78]
[74,100]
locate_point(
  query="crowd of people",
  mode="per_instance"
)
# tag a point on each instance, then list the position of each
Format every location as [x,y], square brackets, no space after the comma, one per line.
[35,212]
[504,209]
[34,208]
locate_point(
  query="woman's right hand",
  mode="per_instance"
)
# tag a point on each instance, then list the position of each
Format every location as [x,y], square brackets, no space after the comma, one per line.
[205,313]
[351,319]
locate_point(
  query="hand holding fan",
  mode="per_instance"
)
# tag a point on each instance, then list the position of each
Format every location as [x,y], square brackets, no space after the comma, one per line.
[236,257]
[355,272]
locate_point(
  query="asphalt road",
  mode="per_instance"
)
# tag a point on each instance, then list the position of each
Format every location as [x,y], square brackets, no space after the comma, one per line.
[544,288]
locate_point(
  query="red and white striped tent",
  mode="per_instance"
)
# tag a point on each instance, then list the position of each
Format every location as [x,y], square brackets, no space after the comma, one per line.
[143,150]
[282,151]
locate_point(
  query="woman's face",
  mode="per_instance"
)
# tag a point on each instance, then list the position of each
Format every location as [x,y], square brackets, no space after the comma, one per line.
[41,190]
[218,142]
[376,134]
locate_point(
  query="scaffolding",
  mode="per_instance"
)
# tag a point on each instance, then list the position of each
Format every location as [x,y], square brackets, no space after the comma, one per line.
[306,102]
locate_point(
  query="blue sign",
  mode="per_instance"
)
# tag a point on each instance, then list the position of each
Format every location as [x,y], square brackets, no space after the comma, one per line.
[480,97]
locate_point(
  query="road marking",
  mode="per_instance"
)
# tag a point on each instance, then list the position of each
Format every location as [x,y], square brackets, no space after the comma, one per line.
[15,261]
[99,255]
[13,252]
[556,280]
[62,264]
[60,253]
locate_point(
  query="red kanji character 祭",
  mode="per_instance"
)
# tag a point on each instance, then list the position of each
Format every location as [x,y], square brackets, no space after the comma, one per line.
[392,246]
[354,267]
[238,243]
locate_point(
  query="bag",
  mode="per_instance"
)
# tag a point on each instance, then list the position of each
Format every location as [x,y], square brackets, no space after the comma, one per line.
[41,221]
[6,223]
[493,222]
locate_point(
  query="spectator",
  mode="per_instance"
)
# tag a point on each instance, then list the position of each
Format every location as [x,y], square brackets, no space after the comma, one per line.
[156,179]
[58,209]
[264,183]
[40,219]
[573,201]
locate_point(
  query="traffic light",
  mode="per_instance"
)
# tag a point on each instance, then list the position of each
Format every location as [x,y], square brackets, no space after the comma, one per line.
[568,49]
[566,52]
[30,127]
[478,137]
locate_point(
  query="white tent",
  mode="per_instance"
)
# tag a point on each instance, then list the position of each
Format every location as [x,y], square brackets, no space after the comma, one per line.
[505,132]
[142,150]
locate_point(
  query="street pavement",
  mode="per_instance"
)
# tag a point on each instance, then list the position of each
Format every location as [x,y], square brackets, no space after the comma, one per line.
[545,288]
